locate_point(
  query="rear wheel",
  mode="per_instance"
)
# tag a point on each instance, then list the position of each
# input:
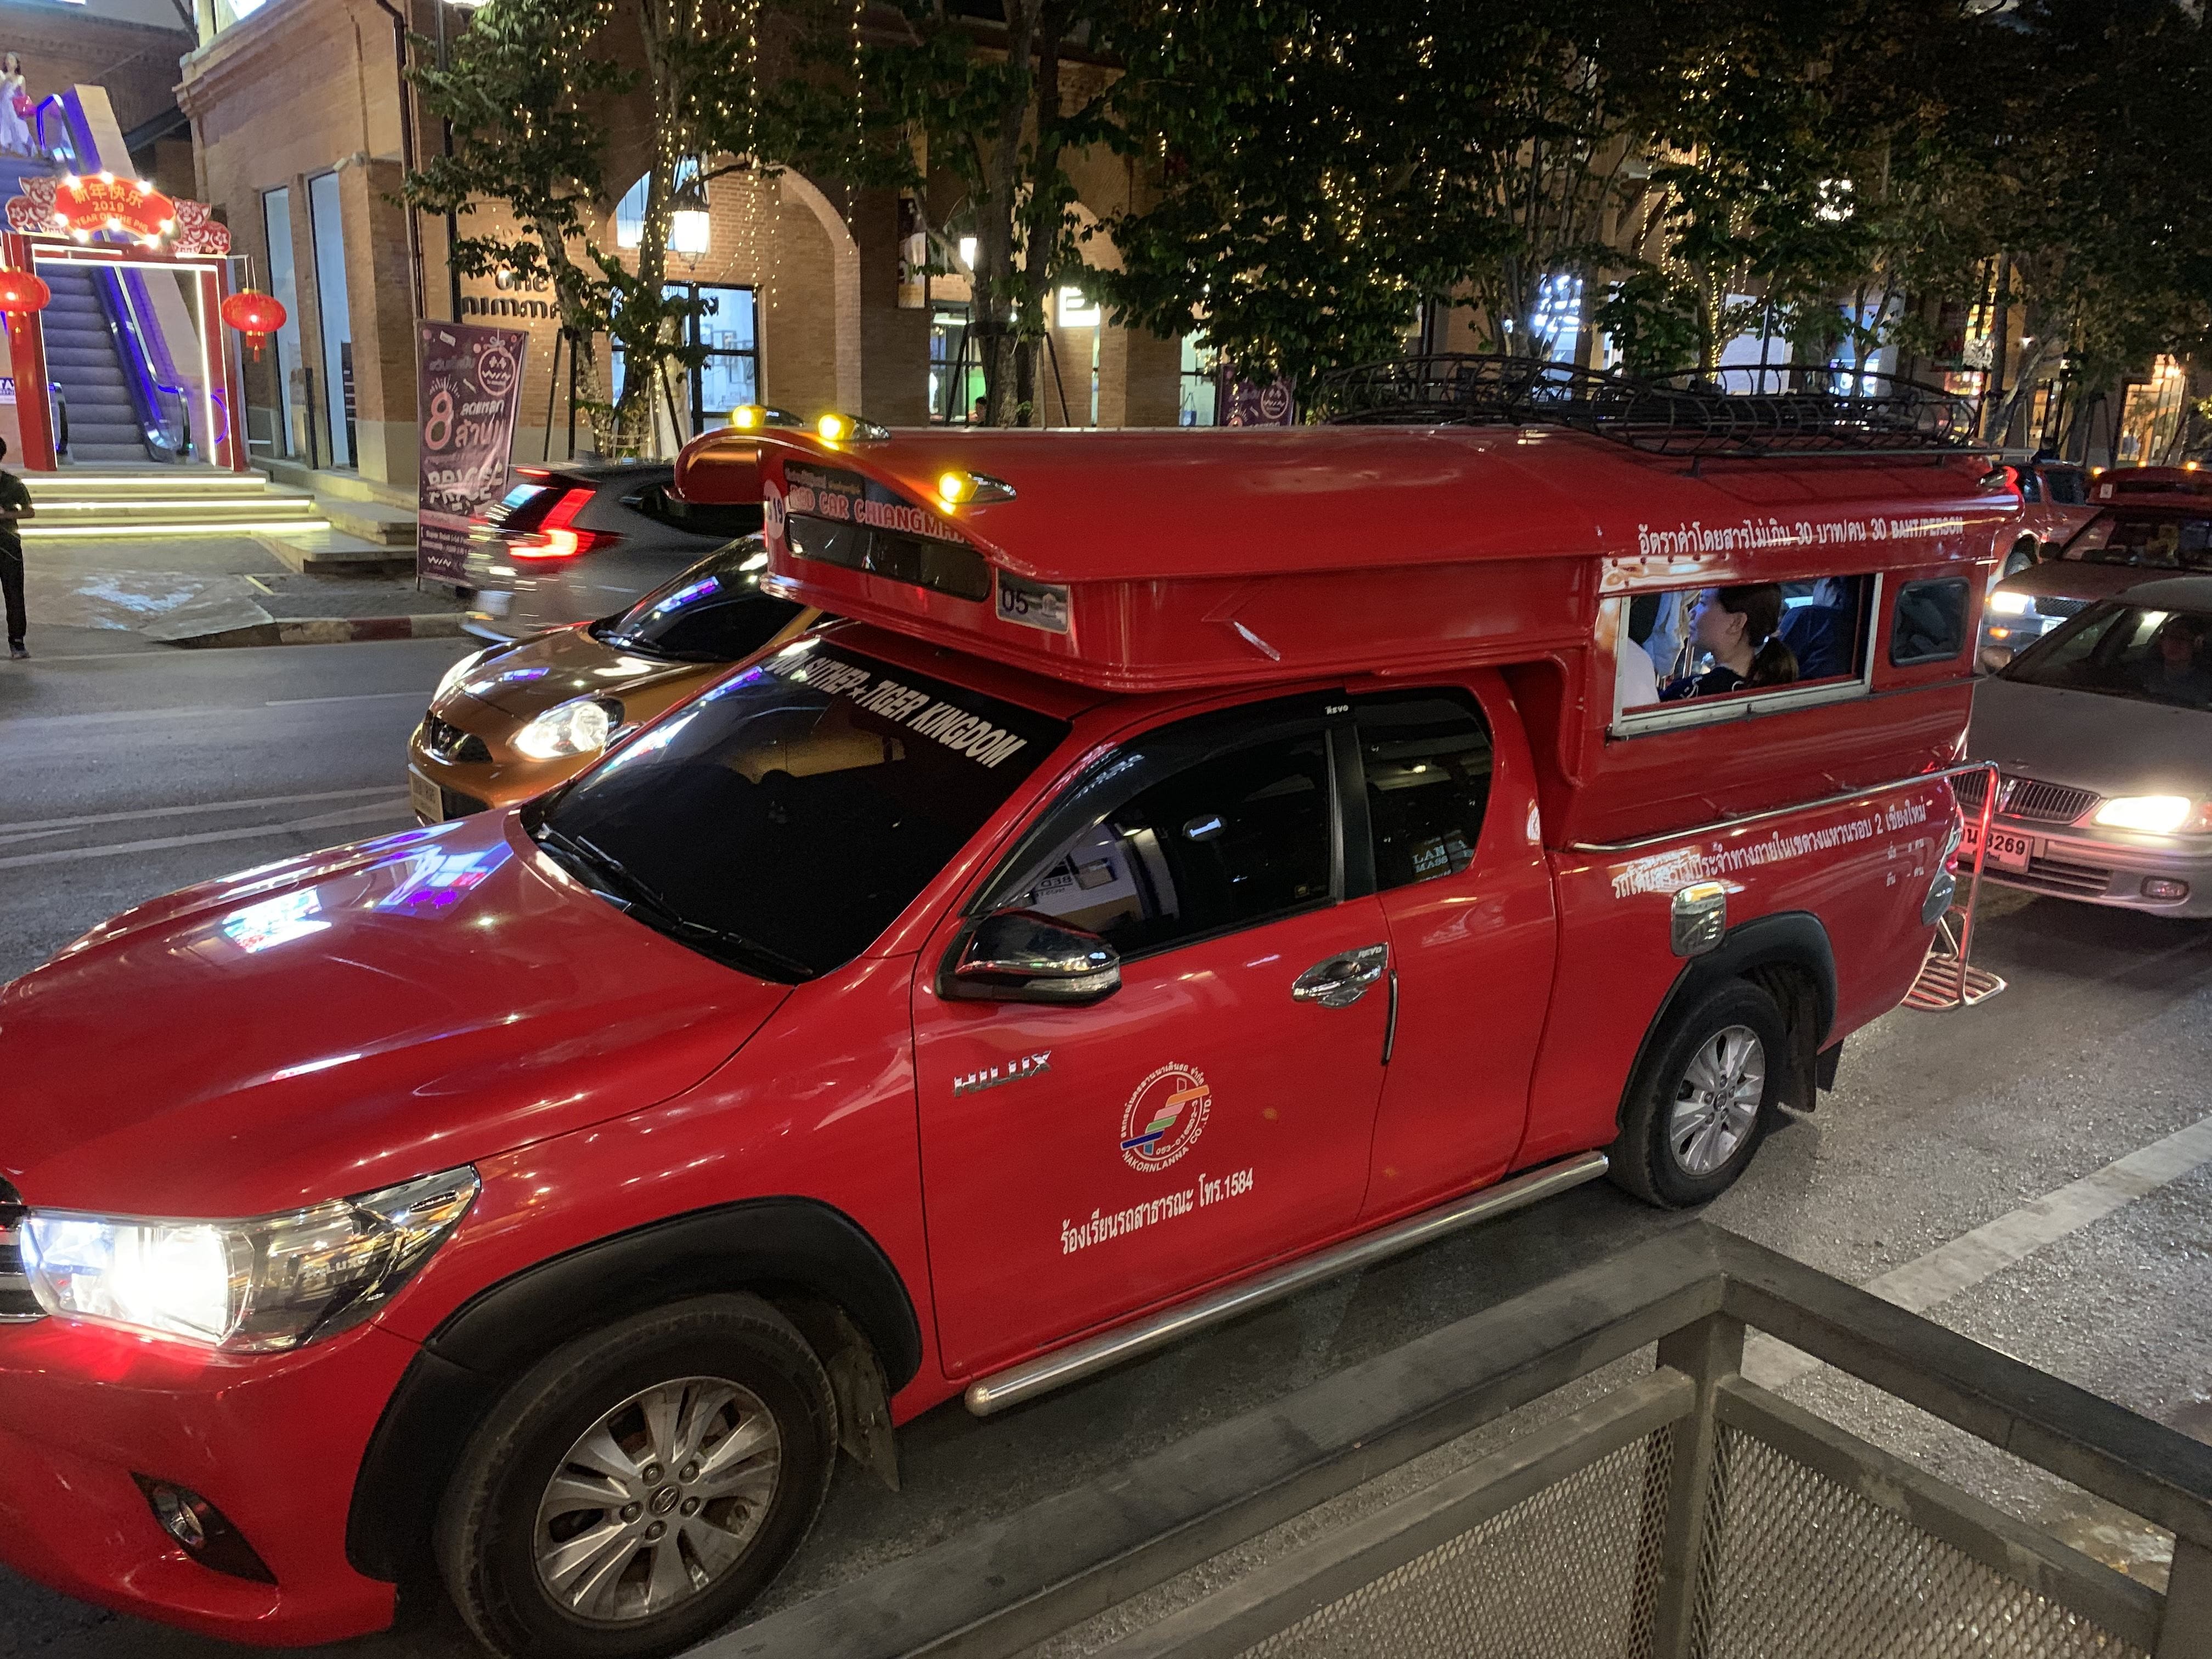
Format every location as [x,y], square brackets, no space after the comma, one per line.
[633,1492]
[1703,1101]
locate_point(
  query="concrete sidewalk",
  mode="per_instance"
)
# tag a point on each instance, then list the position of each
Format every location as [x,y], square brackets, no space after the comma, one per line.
[220,590]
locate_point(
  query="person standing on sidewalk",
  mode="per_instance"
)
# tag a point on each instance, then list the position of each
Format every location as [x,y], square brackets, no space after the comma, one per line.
[15,505]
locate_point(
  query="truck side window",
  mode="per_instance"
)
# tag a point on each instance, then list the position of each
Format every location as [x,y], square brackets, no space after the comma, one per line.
[1426,757]
[1930,621]
[1238,839]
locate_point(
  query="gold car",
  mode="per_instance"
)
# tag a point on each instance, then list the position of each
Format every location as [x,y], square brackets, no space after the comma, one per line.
[514,720]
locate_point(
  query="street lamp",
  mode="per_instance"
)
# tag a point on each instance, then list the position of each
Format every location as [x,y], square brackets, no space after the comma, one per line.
[691,227]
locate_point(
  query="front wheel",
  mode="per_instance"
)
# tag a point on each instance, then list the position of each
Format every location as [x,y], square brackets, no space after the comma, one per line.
[633,1492]
[2022,555]
[1703,1098]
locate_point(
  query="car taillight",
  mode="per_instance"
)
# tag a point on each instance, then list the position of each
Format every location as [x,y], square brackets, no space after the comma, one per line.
[557,536]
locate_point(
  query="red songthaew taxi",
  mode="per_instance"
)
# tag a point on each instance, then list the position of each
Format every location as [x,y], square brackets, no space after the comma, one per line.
[1198,857]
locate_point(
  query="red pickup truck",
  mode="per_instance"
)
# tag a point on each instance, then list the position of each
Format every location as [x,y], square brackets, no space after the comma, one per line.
[1203,861]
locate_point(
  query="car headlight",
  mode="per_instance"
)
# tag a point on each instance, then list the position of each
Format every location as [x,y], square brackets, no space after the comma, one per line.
[2158,814]
[245,1286]
[459,671]
[579,726]
[2011,605]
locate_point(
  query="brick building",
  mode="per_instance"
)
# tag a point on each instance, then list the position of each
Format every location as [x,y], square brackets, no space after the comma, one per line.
[300,129]
[129,47]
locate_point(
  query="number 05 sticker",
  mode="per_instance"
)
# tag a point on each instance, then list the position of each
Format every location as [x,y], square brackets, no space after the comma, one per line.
[1032,604]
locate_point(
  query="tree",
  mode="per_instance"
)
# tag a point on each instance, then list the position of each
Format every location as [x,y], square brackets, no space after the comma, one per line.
[1316,169]
[527,91]
[1775,188]
[2104,198]
[995,102]
[522,90]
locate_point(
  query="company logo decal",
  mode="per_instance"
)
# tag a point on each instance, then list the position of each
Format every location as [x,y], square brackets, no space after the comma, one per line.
[1028,1066]
[1165,1117]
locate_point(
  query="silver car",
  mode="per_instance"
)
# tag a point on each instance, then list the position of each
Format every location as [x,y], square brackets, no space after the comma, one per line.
[2102,731]
[572,543]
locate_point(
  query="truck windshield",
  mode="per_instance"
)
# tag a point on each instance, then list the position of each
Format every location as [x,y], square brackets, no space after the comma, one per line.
[782,819]
[2126,650]
[2157,541]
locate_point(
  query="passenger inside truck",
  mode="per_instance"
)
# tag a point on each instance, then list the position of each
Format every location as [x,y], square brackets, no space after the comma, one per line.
[1820,625]
[1737,630]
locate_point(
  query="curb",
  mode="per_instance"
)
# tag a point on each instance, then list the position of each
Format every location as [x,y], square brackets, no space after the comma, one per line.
[330,631]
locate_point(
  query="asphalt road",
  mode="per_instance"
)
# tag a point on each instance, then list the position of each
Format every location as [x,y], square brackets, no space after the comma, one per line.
[125,772]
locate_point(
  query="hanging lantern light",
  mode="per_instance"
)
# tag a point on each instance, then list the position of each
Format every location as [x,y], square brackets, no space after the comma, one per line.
[22,292]
[254,315]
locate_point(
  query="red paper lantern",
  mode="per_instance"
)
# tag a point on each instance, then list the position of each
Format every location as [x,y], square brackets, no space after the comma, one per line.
[22,292]
[254,315]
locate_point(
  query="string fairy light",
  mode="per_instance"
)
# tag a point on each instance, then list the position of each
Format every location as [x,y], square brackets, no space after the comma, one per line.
[859,117]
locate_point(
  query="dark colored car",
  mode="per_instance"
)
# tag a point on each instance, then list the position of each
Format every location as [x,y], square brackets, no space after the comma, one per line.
[576,543]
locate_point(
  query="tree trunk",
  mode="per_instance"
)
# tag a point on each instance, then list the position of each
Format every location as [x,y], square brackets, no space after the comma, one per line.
[568,295]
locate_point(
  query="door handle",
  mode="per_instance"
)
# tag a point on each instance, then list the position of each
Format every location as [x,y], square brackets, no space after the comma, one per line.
[1343,979]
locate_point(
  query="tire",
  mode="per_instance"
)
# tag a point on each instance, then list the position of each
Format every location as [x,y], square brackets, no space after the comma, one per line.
[1684,1141]
[725,1375]
[2023,555]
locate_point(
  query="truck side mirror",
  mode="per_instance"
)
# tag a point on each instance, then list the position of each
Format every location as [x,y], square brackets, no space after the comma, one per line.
[1018,956]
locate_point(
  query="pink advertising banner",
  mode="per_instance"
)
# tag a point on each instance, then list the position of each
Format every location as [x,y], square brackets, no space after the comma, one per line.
[468,393]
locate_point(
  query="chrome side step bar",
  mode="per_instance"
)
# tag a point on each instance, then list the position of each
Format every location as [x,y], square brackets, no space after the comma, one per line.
[1011,1387]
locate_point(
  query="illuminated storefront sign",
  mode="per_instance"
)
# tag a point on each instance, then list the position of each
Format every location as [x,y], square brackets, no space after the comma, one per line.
[101,205]
[104,201]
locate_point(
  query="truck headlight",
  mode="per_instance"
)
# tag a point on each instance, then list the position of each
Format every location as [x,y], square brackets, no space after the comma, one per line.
[579,726]
[245,1286]
[2011,605]
[2161,815]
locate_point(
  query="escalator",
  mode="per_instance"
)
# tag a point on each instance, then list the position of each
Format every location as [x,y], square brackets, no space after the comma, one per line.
[121,379]
[86,362]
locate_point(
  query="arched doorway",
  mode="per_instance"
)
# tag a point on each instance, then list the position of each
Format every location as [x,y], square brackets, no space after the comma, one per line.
[754,260]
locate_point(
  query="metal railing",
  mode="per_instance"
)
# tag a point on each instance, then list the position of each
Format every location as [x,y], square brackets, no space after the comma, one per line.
[1686,1514]
[1746,413]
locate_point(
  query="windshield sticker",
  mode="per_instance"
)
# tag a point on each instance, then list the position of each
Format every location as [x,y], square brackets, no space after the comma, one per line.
[919,712]
[1165,1117]
[1663,872]
[1113,1223]
[848,498]
[1032,604]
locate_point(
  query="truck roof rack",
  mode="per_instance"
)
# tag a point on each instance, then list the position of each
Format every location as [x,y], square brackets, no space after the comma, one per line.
[1749,413]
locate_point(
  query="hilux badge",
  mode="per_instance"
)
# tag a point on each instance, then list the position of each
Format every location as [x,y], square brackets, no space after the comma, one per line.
[1028,1066]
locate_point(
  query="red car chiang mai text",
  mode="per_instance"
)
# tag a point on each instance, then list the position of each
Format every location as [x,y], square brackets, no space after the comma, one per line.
[1196,855]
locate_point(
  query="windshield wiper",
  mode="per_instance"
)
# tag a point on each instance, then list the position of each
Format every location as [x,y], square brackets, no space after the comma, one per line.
[607,876]
[762,961]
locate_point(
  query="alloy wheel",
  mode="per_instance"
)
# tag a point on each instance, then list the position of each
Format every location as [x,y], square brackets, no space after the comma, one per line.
[1718,1101]
[658,1500]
